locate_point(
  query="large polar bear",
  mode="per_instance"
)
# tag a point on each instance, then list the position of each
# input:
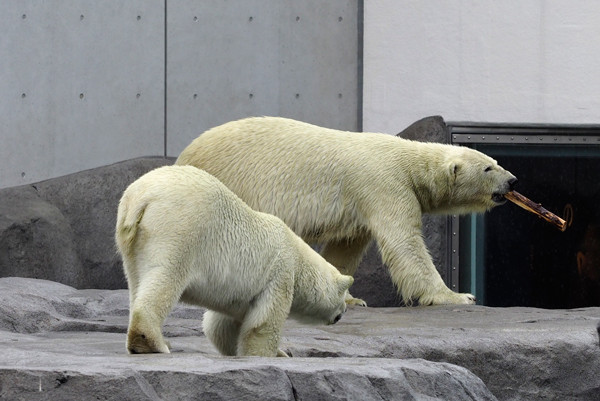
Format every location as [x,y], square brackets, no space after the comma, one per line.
[342,189]
[184,236]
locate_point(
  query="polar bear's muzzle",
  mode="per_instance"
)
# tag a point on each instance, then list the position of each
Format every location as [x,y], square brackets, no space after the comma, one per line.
[498,197]
[337,318]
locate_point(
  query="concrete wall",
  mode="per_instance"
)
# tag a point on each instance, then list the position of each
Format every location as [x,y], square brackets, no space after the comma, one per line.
[481,60]
[296,59]
[87,83]
[81,85]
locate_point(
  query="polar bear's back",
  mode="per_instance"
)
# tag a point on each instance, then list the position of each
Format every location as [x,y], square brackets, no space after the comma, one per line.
[276,138]
[177,193]
[186,207]
[306,175]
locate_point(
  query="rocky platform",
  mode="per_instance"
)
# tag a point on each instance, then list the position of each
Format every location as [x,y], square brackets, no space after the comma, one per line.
[59,343]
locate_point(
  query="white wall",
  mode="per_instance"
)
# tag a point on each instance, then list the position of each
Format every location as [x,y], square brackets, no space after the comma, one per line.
[481,60]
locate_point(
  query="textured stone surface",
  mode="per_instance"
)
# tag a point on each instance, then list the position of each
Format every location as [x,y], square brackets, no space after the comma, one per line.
[71,342]
[62,229]
[190,376]
[60,343]
[428,129]
[36,240]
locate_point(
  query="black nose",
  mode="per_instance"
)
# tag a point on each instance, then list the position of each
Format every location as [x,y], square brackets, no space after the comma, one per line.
[512,182]
[337,318]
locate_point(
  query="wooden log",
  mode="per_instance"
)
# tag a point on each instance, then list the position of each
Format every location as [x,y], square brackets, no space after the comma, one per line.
[537,209]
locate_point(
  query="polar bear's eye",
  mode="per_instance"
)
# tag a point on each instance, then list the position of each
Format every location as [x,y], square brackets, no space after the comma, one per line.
[488,168]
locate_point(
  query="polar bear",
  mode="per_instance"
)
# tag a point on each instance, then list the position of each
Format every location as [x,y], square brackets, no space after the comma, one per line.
[184,236]
[343,189]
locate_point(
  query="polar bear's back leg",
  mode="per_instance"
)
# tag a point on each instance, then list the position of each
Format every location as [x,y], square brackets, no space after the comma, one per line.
[346,255]
[222,330]
[157,292]
[133,280]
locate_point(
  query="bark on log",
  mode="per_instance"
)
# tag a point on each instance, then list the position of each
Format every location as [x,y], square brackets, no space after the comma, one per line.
[537,209]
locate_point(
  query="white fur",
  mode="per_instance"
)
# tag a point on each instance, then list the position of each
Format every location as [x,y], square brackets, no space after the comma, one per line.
[342,189]
[184,236]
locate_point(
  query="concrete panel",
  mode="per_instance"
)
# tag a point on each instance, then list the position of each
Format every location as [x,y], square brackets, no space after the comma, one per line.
[319,63]
[83,82]
[222,64]
[229,60]
[82,85]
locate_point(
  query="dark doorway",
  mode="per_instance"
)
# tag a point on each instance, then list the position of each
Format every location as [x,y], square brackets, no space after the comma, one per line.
[510,257]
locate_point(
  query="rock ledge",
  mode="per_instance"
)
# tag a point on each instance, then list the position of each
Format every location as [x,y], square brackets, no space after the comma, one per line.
[57,342]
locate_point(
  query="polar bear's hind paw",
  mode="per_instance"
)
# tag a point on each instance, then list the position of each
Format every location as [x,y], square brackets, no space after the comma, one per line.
[140,344]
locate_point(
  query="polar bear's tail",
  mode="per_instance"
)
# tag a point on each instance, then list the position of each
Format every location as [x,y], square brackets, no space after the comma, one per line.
[128,219]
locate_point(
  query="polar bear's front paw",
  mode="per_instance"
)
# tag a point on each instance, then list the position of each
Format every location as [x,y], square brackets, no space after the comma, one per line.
[451,297]
[350,300]
[470,299]
[356,301]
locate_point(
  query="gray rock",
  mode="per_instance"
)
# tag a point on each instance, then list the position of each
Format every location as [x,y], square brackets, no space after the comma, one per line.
[73,343]
[428,129]
[62,229]
[67,344]
[36,240]
[192,377]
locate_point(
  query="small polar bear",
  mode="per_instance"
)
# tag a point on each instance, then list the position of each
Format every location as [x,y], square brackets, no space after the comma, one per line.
[343,189]
[184,236]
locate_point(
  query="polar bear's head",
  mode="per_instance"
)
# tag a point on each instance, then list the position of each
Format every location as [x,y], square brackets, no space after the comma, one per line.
[320,294]
[476,182]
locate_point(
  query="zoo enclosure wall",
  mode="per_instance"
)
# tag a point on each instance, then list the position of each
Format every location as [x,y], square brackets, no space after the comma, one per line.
[88,83]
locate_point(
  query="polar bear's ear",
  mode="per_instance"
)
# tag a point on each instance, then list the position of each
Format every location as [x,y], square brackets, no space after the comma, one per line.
[344,282]
[453,166]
